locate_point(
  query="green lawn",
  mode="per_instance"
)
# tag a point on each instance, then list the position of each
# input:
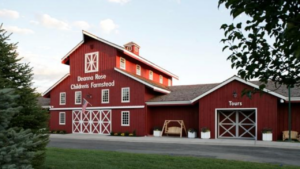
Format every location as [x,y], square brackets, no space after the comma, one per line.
[90,159]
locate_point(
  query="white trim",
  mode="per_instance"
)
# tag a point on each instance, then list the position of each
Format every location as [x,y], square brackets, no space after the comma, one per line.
[60,98]
[53,86]
[102,96]
[121,65]
[86,60]
[95,108]
[122,124]
[59,120]
[126,101]
[216,119]
[150,75]
[47,107]
[293,99]
[77,46]
[240,80]
[169,103]
[169,82]
[76,97]
[145,83]
[138,71]
[161,79]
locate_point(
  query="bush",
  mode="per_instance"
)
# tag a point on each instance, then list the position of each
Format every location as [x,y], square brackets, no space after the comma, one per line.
[112,133]
[134,132]
[126,133]
[191,130]
[266,130]
[116,134]
[205,129]
[131,134]
[157,128]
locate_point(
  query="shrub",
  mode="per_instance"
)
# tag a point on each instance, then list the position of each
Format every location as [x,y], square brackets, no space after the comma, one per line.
[131,134]
[134,132]
[192,130]
[116,134]
[205,129]
[266,130]
[157,128]
[122,134]
[126,133]
[112,133]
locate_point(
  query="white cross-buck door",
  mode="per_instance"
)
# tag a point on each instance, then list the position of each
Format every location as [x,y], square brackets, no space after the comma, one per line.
[237,124]
[91,121]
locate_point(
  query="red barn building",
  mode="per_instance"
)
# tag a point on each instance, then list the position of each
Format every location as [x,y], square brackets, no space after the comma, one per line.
[126,92]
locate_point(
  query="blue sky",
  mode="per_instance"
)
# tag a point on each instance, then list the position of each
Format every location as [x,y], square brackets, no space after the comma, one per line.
[182,36]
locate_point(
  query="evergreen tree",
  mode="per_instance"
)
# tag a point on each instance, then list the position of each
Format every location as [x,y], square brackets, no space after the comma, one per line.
[14,74]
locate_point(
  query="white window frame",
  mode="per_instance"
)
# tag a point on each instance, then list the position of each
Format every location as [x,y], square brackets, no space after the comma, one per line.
[169,82]
[151,75]
[125,101]
[59,120]
[102,91]
[161,79]
[138,70]
[60,103]
[121,65]
[80,97]
[97,62]
[122,114]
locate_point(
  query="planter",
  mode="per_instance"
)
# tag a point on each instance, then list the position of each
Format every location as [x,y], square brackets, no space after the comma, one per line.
[156,133]
[267,137]
[192,134]
[205,135]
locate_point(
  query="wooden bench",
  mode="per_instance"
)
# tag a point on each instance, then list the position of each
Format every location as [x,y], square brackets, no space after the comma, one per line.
[173,130]
[294,135]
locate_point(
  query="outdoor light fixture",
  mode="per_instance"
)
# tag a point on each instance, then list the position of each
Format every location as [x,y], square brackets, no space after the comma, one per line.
[234,94]
[281,101]
[89,96]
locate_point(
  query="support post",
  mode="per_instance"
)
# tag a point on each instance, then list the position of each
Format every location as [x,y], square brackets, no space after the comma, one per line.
[290,115]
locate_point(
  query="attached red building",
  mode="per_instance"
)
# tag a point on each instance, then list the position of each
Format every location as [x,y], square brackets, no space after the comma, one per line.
[127,92]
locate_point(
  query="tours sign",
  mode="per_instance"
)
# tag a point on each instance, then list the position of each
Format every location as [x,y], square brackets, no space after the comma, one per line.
[91,84]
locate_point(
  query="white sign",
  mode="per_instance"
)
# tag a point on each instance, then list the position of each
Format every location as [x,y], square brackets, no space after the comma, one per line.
[231,103]
[92,84]
[88,78]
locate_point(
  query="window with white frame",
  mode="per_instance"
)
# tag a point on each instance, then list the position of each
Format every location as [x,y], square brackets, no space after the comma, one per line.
[125,118]
[91,62]
[105,95]
[78,97]
[62,118]
[161,80]
[138,69]
[122,63]
[62,98]
[150,75]
[125,94]
[169,82]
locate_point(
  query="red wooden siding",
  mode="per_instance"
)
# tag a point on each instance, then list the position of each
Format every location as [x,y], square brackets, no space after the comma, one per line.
[54,121]
[266,107]
[157,115]
[283,118]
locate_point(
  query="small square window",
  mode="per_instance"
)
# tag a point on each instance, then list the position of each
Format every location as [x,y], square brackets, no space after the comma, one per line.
[125,94]
[161,80]
[62,98]
[78,97]
[105,95]
[122,63]
[125,118]
[91,62]
[138,69]
[150,75]
[62,118]
[169,82]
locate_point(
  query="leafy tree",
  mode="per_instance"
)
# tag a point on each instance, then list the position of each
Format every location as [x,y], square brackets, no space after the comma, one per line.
[14,74]
[267,45]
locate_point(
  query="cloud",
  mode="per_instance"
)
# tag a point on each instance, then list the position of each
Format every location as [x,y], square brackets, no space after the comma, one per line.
[34,22]
[9,14]
[108,26]
[82,25]
[50,22]
[119,1]
[18,30]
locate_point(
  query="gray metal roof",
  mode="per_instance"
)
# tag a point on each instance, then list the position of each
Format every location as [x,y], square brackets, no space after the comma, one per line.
[44,101]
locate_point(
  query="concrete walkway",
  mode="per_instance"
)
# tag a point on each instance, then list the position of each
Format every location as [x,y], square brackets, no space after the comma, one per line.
[176,140]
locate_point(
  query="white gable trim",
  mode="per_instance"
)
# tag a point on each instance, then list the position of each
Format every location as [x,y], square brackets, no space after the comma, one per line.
[147,84]
[53,86]
[240,80]
[69,53]
[169,103]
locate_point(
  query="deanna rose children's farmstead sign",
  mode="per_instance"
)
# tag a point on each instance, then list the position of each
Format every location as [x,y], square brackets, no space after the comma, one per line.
[92,84]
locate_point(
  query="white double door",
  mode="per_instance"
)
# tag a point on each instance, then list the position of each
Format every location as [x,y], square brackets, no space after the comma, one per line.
[91,121]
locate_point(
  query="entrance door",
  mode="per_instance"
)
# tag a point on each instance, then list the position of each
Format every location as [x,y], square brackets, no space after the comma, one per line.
[91,121]
[237,124]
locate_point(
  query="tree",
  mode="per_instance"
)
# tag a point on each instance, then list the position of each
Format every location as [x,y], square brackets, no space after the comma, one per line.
[267,46]
[14,74]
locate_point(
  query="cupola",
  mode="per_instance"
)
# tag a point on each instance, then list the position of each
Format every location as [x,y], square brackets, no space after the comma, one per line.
[132,47]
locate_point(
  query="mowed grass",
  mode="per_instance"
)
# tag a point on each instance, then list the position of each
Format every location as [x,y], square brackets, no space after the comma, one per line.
[92,159]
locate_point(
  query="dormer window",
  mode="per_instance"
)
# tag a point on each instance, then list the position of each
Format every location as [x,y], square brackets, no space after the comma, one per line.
[169,82]
[91,62]
[161,80]
[138,69]
[150,75]
[122,63]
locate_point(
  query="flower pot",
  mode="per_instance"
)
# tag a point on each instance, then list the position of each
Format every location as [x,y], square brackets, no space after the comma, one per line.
[156,133]
[205,135]
[192,134]
[267,137]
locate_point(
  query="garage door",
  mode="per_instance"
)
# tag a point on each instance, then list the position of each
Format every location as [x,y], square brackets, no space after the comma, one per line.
[92,121]
[239,124]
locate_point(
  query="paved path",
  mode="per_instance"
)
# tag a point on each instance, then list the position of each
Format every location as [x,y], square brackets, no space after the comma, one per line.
[244,150]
